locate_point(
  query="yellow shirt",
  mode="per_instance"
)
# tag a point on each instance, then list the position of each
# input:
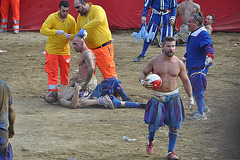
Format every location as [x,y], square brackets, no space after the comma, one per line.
[96,25]
[58,44]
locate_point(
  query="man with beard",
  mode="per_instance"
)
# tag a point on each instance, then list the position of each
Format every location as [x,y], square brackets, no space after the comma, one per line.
[60,28]
[92,25]
[165,105]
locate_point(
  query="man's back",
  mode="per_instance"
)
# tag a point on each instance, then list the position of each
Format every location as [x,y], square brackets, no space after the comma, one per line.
[186,8]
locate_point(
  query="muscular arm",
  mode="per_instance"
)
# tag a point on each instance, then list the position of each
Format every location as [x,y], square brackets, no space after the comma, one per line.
[185,80]
[146,70]
[87,56]
[11,121]
[186,84]
[197,6]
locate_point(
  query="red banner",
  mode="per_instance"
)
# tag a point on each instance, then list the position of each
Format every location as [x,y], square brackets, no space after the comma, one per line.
[126,14]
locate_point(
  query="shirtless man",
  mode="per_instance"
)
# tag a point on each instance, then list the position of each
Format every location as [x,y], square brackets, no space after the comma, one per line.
[85,77]
[184,10]
[209,21]
[165,105]
[86,63]
[83,90]
[69,97]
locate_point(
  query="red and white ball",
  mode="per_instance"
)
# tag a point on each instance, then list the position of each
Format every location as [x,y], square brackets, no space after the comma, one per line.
[155,80]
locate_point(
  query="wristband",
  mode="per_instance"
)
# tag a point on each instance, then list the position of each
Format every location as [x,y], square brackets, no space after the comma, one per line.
[172,18]
[144,18]
[191,100]
[142,82]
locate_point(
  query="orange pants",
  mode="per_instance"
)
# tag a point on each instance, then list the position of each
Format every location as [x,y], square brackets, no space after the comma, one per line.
[4,12]
[51,68]
[105,60]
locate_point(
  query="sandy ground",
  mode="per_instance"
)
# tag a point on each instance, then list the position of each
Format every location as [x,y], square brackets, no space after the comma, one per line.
[45,131]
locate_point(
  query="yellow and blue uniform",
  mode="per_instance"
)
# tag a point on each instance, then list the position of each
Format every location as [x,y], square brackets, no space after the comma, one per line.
[99,39]
[57,48]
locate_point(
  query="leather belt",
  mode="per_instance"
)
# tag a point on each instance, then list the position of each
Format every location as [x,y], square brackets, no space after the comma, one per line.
[165,10]
[104,44]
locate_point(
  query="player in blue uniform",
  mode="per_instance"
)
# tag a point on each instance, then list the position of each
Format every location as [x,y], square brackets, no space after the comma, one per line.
[112,87]
[162,16]
[198,57]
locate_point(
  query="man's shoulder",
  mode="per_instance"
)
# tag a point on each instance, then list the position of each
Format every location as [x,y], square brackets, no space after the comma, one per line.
[182,4]
[157,57]
[55,14]
[88,53]
[96,8]
[52,16]
[208,27]
[197,6]
[70,17]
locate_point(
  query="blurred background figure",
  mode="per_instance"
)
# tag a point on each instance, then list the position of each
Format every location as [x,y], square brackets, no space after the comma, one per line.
[163,15]
[208,23]
[7,119]
[184,10]
[5,4]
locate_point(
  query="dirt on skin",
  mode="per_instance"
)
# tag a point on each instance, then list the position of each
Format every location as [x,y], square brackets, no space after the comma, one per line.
[45,131]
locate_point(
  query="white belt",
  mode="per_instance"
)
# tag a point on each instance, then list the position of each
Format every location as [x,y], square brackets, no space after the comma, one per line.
[165,93]
[159,12]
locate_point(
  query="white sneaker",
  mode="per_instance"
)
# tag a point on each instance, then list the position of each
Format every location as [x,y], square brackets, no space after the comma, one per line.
[15,32]
[107,102]
[206,109]
[2,30]
[199,116]
[193,113]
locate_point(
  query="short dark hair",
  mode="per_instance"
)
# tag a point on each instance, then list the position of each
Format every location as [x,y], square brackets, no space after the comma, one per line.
[197,18]
[168,39]
[83,1]
[64,3]
[213,17]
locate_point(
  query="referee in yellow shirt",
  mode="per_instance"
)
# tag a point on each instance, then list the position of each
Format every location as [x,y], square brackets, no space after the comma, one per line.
[92,24]
[60,28]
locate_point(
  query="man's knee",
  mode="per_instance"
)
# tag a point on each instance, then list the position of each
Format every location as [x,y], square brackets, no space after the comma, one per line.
[173,130]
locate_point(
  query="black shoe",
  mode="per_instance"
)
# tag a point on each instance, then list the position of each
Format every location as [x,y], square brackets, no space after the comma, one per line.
[138,58]
[128,99]
[143,105]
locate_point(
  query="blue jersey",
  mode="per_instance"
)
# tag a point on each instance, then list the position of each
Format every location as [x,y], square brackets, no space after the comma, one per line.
[196,55]
[160,5]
